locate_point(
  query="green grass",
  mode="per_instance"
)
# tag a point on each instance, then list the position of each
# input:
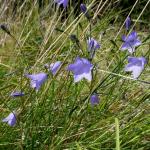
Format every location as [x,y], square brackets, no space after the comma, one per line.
[59,116]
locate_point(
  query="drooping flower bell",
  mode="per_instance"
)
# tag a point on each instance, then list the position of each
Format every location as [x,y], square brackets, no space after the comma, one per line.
[17,94]
[135,65]
[92,46]
[37,80]
[81,68]
[130,42]
[128,23]
[62,2]
[54,67]
[10,119]
[94,99]
[84,10]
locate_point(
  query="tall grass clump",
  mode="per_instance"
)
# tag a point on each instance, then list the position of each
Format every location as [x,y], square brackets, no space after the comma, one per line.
[74,76]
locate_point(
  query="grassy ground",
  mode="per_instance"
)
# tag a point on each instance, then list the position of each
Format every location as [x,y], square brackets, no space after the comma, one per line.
[60,116]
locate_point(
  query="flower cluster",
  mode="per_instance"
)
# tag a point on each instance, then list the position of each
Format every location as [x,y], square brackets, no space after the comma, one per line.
[82,68]
[135,64]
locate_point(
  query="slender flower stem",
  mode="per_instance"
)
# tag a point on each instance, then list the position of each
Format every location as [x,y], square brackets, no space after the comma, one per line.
[125,77]
[117,134]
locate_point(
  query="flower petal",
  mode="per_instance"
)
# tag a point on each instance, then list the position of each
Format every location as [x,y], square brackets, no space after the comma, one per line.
[17,94]
[92,44]
[125,46]
[136,71]
[130,42]
[132,36]
[64,2]
[87,76]
[135,65]
[37,80]
[81,69]
[10,119]
[94,99]
[123,38]
[80,66]
[137,43]
[53,67]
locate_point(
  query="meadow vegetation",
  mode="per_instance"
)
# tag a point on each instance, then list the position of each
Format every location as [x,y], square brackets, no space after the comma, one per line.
[55,111]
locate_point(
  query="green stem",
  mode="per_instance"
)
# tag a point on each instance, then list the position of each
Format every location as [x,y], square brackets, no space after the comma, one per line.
[117,134]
